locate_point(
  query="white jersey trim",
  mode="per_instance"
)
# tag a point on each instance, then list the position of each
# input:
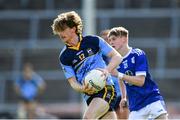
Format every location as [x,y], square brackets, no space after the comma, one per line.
[128,53]
[141,73]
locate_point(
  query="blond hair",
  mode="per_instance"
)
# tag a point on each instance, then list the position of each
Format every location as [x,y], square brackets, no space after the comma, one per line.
[118,32]
[67,19]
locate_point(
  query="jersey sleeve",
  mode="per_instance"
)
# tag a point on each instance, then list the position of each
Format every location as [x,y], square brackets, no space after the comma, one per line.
[65,65]
[141,64]
[104,47]
[68,71]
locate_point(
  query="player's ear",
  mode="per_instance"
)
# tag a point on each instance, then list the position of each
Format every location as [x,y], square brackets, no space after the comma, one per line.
[74,29]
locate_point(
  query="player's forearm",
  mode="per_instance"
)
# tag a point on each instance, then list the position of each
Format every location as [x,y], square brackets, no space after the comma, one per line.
[114,62]
[75,85]
[135,80]
[122,89]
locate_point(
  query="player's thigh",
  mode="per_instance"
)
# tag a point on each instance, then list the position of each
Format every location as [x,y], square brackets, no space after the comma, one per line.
[96,109]
[110,115]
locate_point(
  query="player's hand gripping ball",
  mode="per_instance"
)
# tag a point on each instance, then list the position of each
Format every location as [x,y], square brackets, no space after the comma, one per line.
[96,78]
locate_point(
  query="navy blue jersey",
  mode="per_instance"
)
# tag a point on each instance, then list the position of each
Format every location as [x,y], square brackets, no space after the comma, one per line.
[134,64]
[78,61]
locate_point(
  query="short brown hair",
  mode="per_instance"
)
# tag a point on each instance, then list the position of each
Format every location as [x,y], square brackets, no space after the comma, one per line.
[118,31]
[104,32]
[67,19]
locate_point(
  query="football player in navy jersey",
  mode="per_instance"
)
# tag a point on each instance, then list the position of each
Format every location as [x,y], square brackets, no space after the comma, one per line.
[121,113]
[145,100]
[82,54]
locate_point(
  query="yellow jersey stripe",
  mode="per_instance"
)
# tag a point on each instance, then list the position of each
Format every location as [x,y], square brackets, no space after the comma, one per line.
[78,46]
[105,93]
[112,94]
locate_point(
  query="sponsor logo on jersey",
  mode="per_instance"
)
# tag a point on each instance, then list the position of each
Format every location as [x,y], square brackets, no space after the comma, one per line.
[79,52]
[125,63]
[132,60]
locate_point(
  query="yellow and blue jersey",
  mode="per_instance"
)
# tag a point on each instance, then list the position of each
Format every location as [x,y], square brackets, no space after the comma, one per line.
[135,63]
[78,61]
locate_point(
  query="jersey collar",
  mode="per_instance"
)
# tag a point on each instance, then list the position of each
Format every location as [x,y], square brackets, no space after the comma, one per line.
[78,45]
[128,53]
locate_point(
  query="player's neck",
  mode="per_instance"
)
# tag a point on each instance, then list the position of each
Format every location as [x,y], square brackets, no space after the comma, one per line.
[74,41]
[124,50]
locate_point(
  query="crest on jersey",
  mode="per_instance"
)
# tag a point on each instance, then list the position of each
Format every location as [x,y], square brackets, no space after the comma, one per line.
[125,63]
[132,60]
[89,51]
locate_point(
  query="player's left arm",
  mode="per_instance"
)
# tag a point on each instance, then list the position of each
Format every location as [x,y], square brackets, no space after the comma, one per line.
[115,57]
[141,67]
[135,80]
[41,84]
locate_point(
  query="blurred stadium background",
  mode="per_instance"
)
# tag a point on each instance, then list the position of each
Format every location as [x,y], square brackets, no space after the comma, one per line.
[26,36]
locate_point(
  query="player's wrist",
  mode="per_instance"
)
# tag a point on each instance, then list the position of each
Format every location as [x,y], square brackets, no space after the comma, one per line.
[120,75]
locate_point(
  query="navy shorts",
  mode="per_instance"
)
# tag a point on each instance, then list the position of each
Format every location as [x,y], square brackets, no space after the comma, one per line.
[108,93]
[26,100]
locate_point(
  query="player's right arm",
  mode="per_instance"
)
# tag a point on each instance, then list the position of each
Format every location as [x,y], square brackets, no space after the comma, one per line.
[80,88]
[121,84]
[123,102]
[75,85]
[70,75]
